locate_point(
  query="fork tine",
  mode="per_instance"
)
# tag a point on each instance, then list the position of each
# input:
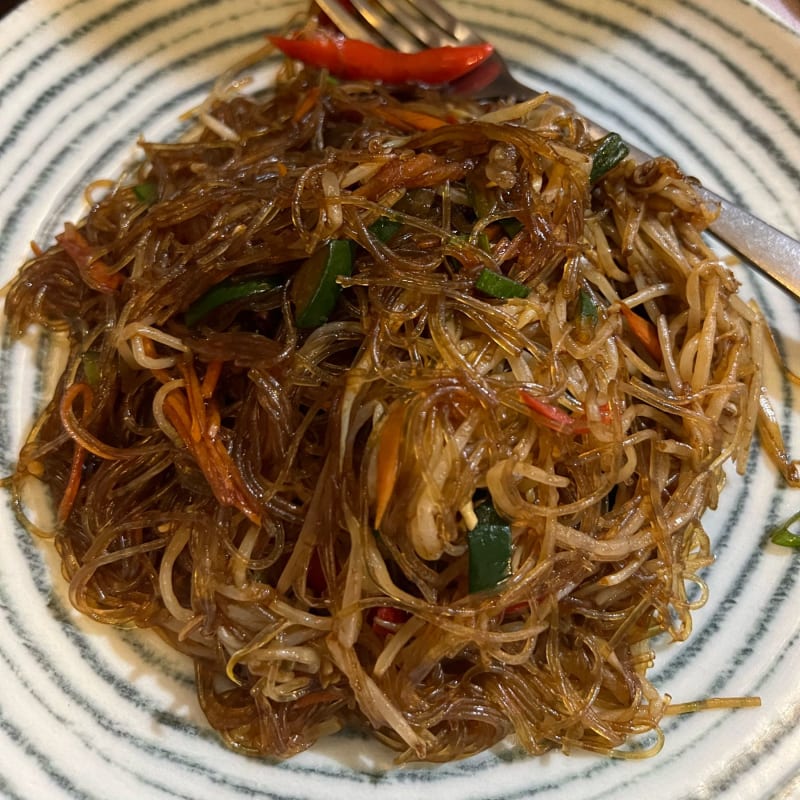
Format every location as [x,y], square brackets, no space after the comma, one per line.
[417,16]
[406,25]
[394,31]
[346,22]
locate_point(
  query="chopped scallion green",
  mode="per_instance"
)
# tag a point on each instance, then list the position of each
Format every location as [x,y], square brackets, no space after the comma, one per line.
[385,228]
[146,192]
[785,537]
[500,286]
[91,367]
[489,544]
[610,151]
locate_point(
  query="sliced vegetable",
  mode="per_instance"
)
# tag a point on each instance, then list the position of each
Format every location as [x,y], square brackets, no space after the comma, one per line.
[511,226]
[552,417]
[500,286]
[94,270]
[91,367]
[785,537]
[644,331]
[388,458]
[489,544]
[408,119]
[315,289]
[146,192]
[225,292]
[384,228]
[387,620]
[610,151]
[588,315]
[558,420]
[357,60]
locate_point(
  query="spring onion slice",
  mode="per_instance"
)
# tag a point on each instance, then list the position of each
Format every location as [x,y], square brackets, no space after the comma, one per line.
[785,537]
[610,151]
[500,286]
[489,545]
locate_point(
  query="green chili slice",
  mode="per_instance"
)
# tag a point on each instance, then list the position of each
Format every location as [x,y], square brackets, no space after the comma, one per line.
[315,289]
[225,292]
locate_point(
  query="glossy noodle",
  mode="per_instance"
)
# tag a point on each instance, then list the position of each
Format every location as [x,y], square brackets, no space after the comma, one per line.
[389,417]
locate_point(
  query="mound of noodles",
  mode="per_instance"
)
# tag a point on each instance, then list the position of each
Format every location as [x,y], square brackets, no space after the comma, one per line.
[292,505]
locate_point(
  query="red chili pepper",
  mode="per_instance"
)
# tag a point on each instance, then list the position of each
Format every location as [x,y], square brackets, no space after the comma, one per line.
[559,420]
[356,60]
[387,620]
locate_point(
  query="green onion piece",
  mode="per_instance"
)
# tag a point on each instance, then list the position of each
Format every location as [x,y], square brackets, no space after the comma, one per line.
[587,307]
[91,367]
[146,192]
[497,285]
[315,289]
[609,152]
[489,544]
[479,198]
[511,226]
[783,536]
[385,228]
[223,293]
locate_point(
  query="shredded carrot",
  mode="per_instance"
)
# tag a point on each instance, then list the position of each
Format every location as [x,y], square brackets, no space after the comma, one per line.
[149,348]
[209,452]
[37,251]
[559,420]
[79,454]
[197,407]
[388,459]
[307,102]
[283,170]
[211,378]
[644,331]
[551,416]
[407,119]
[95,271]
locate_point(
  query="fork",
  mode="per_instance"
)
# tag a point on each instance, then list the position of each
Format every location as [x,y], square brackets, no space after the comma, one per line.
[411,25]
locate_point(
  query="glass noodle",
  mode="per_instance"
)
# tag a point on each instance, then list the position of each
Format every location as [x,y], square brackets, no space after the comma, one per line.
[296,507]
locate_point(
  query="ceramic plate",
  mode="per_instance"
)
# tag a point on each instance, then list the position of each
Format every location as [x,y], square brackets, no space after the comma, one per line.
[88,712]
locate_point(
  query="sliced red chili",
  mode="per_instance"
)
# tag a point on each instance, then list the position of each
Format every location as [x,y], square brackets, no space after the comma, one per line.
[354,59]
[559,420]
[387,620]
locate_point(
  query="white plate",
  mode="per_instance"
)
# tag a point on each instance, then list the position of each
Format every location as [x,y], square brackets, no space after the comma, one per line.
[87,712]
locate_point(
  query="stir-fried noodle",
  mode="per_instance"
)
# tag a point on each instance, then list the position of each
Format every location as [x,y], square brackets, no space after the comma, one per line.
[388,416]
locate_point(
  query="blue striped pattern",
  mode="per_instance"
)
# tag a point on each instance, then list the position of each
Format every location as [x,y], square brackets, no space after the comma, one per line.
[87,712]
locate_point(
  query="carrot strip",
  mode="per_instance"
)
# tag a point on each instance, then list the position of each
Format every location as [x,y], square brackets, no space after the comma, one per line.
[95,271]
[197,407]
[307,102]
[559,420]
[211,456]
[388,459]
[408,119]
[211,378]
[551,416]
[78,457]
[644,331]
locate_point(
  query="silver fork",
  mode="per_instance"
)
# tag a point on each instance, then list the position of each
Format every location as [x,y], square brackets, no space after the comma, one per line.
[411,25]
